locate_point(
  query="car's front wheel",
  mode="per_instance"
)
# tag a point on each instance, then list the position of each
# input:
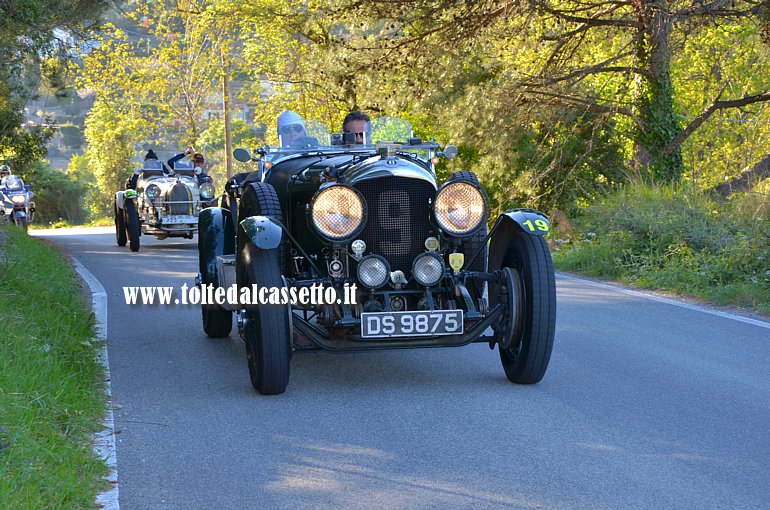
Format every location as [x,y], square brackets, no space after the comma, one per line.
[133,227]
[266,327]
[531,292]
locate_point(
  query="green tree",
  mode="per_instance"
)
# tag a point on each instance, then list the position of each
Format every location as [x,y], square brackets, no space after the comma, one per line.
[113,134]
[597,56]
[35,40]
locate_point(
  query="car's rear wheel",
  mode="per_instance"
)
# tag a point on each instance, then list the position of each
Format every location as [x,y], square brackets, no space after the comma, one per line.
[217,322]
[266,328]
[533,287]
[133,227]
[120,226]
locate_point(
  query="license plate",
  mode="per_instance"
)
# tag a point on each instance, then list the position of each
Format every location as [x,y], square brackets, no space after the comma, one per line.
[399,324]
[179,219]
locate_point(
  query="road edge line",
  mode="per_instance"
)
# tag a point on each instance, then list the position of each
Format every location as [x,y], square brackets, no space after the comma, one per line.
[661,299]
[104,441]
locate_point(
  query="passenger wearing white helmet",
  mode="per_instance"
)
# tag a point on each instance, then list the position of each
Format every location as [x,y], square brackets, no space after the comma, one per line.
[291,127]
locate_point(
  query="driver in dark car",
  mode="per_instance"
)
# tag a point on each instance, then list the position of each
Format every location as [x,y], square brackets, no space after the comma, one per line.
[358,123]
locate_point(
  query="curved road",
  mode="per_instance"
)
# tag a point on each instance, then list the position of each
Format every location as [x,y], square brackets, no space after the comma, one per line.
[645,405]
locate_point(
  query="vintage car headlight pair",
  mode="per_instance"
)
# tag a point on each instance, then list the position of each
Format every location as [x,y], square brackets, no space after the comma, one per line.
[338,212]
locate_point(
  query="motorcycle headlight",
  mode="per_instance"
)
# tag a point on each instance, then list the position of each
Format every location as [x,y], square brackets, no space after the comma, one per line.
[460,208]
[207,190]
[428,269]
[152,192]
[338,212]
[18,199]
[373,271]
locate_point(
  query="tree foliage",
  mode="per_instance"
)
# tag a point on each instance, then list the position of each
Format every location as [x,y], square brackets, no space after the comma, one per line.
[35,39]
[112,133]
[552,102]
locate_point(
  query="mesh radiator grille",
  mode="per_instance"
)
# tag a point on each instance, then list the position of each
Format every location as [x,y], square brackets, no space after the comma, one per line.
[399,218]
[179,193]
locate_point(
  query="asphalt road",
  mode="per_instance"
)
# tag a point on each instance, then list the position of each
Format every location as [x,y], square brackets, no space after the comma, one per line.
[644,405]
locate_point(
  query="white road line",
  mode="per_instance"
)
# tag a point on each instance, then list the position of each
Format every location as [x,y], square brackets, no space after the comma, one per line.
[660,299]
[104,441]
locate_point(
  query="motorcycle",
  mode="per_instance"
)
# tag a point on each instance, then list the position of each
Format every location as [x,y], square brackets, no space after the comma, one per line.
[16,202]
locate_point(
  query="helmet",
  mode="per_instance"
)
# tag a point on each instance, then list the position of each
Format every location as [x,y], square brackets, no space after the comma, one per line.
[5,170]
[288,118]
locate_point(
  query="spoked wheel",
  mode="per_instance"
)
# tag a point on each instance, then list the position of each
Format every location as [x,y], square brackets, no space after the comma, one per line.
[120,226]
[132,224]
[529,293]
[266,328]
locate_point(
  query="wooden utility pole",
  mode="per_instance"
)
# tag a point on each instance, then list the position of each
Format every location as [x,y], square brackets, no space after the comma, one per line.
[226,108]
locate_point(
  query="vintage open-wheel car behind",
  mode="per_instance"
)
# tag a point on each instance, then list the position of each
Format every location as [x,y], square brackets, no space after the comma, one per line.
[427,271]
[160,205]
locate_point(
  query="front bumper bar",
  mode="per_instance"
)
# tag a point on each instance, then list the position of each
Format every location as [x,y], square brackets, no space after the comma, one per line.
[318,338]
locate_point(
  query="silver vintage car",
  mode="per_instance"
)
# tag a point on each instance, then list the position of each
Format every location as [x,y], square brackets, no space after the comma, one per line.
[161,205]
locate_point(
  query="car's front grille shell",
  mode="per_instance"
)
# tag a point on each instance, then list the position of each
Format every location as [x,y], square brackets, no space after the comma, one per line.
[399,218]
[180,194]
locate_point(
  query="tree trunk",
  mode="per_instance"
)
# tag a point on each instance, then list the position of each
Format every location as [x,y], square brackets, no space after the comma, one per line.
[655,95]
[744,181]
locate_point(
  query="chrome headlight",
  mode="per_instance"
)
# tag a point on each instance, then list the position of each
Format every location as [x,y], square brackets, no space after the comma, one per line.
[460,208]
[18,199]
[152,192]
[338,212]
[207,190]
[373,271]
[428,269]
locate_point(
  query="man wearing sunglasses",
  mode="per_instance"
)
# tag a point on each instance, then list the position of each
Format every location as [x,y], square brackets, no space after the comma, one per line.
[291,127]
[360,124]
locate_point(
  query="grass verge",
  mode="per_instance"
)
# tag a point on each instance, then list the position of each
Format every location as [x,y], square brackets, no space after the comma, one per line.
[51,394]
[668,239]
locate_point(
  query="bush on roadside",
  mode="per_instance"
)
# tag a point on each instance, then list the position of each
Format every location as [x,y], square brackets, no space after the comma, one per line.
[677,240]
[57,195]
